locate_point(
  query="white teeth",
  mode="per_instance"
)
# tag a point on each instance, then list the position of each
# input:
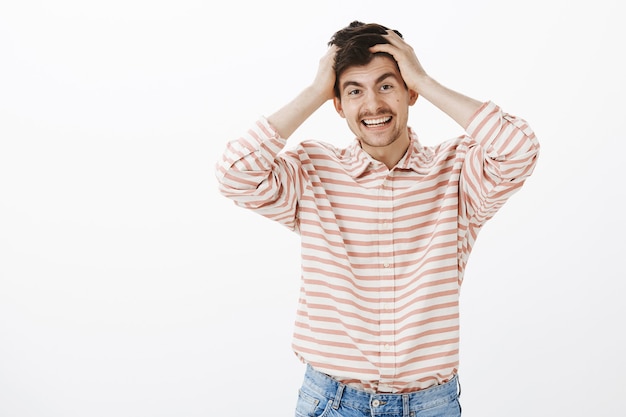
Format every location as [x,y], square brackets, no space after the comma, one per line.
[377,121]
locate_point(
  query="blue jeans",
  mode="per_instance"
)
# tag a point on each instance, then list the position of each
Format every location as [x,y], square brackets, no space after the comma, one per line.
[322,396]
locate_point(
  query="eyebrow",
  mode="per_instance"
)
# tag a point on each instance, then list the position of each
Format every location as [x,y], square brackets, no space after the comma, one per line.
[378,80]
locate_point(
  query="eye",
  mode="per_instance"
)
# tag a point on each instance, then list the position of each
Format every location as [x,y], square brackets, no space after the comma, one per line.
[386,87]
[354,92]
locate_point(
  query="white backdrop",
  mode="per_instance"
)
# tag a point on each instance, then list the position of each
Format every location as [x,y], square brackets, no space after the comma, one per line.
[129,287]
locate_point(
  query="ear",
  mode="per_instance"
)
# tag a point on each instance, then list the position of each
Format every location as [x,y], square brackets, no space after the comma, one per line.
[413,95]
[337,103]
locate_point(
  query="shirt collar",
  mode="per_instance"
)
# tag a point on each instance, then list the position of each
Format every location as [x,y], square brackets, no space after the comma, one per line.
[417,158]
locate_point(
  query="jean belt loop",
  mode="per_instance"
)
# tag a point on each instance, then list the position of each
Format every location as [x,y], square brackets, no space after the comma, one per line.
[405,405]
[338,395]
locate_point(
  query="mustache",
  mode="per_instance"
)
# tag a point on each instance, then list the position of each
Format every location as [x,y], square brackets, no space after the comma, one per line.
[379,112]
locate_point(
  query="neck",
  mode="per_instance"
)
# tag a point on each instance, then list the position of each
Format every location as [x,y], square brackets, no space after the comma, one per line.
[389,155]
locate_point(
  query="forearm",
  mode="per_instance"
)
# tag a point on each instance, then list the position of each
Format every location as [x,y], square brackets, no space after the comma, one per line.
[289,117]
[456,105]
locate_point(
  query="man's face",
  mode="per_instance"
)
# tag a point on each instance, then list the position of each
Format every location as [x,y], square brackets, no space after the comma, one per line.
[375,103]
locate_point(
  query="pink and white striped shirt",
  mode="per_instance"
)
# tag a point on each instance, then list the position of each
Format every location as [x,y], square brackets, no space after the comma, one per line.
[383,251]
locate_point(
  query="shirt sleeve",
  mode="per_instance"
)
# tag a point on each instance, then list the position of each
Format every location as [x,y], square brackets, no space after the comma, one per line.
[502,154]
[252,173]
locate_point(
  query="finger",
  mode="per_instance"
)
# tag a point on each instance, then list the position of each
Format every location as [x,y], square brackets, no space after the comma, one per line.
[392,36]
[384,47]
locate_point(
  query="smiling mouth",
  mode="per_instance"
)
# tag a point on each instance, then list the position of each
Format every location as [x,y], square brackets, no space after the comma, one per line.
[381,121]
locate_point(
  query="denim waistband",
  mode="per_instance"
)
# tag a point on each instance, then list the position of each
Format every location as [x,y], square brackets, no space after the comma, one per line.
[380,403]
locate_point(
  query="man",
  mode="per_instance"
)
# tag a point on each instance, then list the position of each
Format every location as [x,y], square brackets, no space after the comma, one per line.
[386,224]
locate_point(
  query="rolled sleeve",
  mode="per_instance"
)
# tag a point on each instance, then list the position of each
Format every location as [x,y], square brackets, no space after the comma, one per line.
[252,173]
[508,142]
[502,154]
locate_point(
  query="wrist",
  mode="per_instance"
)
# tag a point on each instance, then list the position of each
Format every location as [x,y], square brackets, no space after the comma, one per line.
[319,93]
[422,84]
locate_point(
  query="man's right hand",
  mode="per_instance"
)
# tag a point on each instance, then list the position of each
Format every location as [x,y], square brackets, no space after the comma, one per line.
[325,79]
[288,118]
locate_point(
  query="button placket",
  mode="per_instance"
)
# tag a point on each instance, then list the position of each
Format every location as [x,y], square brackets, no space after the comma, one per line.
[387,274]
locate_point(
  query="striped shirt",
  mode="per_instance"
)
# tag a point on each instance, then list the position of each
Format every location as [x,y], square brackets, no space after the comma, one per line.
[383,251]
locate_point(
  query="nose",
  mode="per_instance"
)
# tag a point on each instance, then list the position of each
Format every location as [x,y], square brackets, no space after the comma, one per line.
[372,103]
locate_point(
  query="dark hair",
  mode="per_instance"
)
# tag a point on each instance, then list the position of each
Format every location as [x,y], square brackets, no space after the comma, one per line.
[353,44]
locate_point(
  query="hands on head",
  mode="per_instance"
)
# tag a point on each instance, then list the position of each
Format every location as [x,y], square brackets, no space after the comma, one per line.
[410,67]
[325,78]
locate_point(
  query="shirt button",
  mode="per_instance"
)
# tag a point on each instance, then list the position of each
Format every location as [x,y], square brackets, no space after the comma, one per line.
[375,403]
[386,264]
[387,346]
